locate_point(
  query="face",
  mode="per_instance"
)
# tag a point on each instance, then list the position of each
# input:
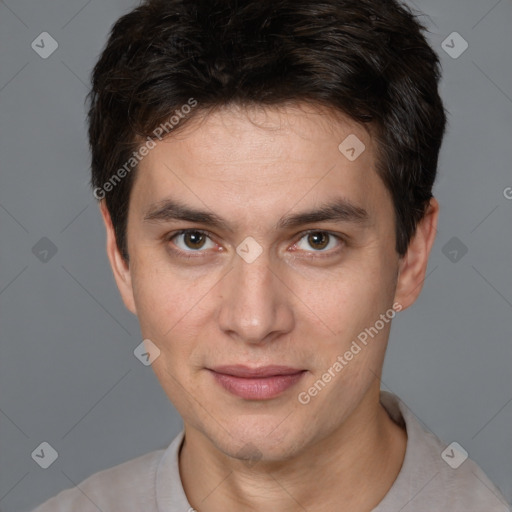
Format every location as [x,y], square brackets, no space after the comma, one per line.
[255,243]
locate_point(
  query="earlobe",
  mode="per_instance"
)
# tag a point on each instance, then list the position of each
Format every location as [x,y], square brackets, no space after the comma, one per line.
[413,265]
[120,267]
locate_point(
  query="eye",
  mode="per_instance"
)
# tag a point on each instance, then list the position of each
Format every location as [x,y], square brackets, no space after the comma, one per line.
[320,241]
[192,240]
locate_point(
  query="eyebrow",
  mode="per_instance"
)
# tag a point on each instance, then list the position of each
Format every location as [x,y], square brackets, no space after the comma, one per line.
[338,210]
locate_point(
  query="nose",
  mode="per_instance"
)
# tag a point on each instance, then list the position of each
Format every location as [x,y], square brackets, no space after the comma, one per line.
[256,304]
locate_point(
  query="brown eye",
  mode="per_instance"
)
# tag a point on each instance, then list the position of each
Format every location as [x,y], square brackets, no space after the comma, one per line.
[319,241]
[192,241]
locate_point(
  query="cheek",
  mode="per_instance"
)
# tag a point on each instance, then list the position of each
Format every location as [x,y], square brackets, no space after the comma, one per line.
[349,299]
[351,303]
[151,295]
[171,306]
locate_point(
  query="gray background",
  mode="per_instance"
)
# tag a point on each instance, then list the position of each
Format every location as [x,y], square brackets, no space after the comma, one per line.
[68,374]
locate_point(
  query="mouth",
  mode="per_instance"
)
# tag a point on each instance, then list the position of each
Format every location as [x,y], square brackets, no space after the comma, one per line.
[261,383]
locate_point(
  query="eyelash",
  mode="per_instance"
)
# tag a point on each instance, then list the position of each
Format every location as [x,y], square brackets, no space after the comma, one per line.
[190,254]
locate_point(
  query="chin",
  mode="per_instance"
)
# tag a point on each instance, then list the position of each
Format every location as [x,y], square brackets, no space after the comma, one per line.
[260,440]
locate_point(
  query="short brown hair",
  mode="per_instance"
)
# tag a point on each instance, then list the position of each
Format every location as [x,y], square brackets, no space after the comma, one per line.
[367,59]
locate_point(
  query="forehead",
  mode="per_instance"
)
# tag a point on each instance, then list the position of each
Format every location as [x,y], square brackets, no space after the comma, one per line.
[261,162]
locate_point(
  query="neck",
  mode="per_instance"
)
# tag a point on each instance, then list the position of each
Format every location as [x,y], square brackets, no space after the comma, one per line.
[358,462]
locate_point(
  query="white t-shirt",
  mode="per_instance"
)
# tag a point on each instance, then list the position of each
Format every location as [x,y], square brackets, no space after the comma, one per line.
[427,482]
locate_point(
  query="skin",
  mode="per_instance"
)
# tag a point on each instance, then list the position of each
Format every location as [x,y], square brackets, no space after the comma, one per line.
[301,303]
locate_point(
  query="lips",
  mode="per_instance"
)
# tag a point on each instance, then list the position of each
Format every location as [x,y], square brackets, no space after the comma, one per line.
[262,383]
[262,371]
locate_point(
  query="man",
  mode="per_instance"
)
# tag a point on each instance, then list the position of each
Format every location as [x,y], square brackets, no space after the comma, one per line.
[265,174]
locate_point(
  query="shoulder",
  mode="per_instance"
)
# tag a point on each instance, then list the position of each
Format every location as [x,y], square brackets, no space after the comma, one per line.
[127,486]
[436,475]
[457,482]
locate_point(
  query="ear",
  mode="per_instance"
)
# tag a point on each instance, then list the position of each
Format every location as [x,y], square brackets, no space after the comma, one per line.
[413,265]
[120,267]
